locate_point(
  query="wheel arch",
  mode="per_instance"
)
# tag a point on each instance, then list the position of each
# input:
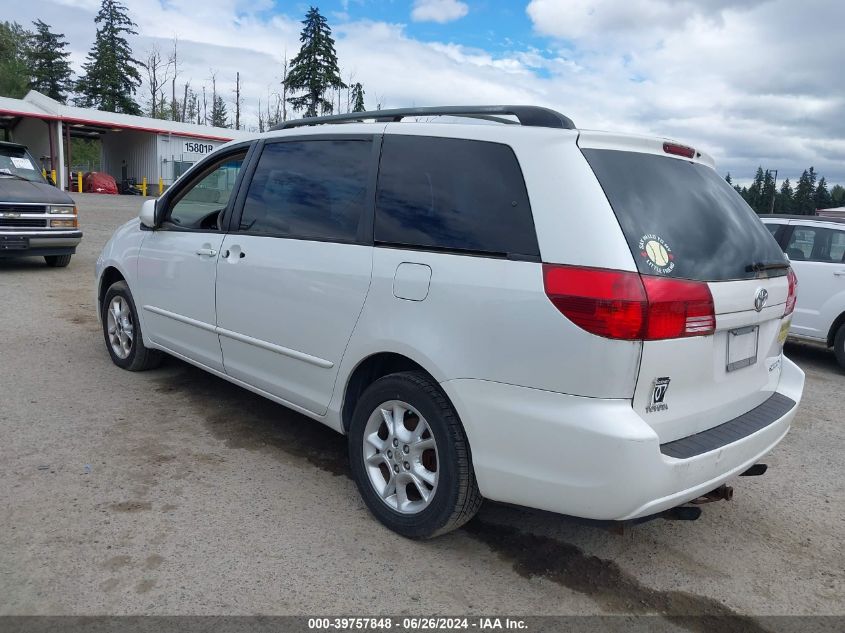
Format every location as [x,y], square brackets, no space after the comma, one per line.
[109,276]
[366,372]
[837,323]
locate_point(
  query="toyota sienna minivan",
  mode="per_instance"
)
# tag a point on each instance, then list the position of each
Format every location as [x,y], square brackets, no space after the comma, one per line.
[497,305]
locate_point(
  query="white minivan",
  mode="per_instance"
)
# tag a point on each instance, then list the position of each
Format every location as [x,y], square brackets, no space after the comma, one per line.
[816,248]
[497,305]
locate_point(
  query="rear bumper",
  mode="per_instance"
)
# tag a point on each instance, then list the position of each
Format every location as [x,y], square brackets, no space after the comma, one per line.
[29,243]
[594,458]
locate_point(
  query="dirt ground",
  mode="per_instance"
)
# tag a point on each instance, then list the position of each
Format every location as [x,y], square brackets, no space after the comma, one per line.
[174,492]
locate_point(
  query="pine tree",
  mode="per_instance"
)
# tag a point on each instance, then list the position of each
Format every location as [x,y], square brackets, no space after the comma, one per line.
[785,202]
[219,116]
[47,57]
[755,191]
[805,193]
[358,98]
[728,178]
[111,74]
[837,195]
[822,199]
[314,70]
[13,60]
[768,193]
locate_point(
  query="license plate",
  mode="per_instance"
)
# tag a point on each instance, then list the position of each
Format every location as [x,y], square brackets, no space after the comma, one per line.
[742,347]
[13,243]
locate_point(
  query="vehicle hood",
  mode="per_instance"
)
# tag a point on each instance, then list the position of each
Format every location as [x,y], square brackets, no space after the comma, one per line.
[14,190]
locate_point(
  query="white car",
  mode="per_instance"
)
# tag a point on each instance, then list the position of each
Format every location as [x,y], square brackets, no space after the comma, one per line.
[816,247]
[582,322]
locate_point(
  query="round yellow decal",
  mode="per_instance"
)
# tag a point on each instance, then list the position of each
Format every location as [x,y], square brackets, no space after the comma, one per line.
[658,253]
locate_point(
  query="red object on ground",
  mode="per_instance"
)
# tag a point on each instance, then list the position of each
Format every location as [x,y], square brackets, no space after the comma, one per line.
[98,182]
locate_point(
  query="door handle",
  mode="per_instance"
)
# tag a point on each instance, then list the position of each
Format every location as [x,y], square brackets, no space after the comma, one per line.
[839,273]
[207,252]
[236,250]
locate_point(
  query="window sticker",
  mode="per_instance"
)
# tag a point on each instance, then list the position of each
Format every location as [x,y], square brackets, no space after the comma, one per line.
[21,163]
[658,253]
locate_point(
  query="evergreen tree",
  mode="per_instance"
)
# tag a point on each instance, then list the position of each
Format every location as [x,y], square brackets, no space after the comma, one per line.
[755,192]
[219,116]
[784,201]
[314,70]
[358,98]
[49,69]
[768,194]
[822,199]
[837,195]
[111,73]
[13,66]
[804,203]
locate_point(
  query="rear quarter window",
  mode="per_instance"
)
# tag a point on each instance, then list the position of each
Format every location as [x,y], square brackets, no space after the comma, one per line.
[681,219]
[455,195]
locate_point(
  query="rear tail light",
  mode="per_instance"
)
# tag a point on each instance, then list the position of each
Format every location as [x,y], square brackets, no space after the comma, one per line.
[624,305]
[679,150]
[793,293]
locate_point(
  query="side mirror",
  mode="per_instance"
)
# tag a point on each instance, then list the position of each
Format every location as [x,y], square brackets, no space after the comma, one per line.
[148,214]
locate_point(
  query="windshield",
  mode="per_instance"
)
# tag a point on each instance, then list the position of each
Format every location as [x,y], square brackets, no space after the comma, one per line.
[681,219]
[16,161]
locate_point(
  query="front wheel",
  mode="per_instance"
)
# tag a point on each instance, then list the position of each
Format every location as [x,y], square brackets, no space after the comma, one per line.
[57,261]
[410,457]
[122,331]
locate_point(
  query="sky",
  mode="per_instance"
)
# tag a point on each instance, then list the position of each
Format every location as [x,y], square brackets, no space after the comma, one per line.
[753,82]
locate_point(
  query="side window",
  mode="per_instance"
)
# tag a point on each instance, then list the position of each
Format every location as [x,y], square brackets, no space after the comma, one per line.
[776,230]
[309,189]
[837,247]
[815,243]
[200,204]
[453,194]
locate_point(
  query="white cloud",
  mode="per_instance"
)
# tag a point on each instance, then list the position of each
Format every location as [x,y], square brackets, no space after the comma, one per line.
[441,11]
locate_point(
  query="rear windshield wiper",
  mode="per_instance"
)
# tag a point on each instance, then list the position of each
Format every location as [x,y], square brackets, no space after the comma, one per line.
[761,266]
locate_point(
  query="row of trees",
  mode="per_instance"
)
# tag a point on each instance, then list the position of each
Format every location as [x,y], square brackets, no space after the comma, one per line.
[310,83]
[809,194]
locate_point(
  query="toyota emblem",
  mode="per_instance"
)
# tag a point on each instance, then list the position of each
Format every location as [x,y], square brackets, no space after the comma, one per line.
[760,299]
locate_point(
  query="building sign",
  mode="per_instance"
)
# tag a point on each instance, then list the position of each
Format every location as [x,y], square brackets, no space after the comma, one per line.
[192,147]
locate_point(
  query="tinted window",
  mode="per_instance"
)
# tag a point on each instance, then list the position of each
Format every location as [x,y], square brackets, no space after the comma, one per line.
[681,219]
[200,204]
[776,230]
[453,194]
[309,189]
[816,244]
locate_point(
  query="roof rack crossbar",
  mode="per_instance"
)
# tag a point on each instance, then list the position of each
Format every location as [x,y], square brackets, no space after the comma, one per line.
[531,116]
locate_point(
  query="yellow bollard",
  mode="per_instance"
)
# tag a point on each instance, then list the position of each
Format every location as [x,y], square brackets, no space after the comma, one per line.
[79,181]
[44,172]
[144,186]
[160,186]
[53,175]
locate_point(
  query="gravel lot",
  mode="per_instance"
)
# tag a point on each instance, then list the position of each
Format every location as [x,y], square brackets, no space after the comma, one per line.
[174,492]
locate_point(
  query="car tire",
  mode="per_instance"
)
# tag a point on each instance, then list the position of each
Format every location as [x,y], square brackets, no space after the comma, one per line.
[57,261]
[839,346]
[122,331]
[423,502]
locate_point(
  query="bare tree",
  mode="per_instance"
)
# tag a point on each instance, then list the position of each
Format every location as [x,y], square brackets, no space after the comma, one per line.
[185,102]
[204,108]
[238,101]
[285,69]
[158,74]
[176,113]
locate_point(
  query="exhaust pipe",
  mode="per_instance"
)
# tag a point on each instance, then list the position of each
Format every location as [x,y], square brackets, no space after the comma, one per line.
[722,493]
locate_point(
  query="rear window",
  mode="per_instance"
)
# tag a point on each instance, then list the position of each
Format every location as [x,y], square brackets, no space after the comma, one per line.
[681,219]
[455,195]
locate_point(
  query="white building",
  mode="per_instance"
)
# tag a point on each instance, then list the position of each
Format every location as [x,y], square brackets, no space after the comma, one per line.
[133,147]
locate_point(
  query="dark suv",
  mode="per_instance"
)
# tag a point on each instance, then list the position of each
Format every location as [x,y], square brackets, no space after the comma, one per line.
[36,218]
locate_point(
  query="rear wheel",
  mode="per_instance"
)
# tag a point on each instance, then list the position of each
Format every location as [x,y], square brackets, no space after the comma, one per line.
[57,261]
[410,457]
[122,331]
[839,345]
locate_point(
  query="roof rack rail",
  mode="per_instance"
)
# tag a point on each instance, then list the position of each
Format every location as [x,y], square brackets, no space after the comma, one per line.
[532,116]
